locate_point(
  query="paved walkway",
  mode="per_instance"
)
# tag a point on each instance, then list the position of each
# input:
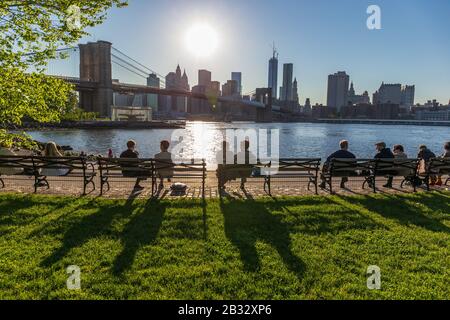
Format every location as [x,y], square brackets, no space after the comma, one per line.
[123,188]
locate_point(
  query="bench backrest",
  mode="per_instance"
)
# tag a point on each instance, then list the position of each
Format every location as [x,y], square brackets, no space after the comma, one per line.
[72,163]
[135,167]
[294,166]
[145,167]
[439,165]
[397,167]
[185,167]
[11,165]
[350,166]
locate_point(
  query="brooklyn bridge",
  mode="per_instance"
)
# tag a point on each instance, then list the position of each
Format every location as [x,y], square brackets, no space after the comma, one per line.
[99,68]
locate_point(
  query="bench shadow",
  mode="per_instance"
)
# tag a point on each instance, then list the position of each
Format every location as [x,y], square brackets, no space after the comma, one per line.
[406,211]
[245,227]
[89,227]
[141,230]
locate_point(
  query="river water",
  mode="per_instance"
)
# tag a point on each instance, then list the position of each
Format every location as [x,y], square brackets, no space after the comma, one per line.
[296,140]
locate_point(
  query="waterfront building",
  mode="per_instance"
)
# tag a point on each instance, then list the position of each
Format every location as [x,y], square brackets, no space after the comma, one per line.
[354,98]
[152,99]
[273,74]
[176,81]
[408,95]
[388,93]
[286,91]
[204,78]
[237,76]
[206,87]
[438,115]
[337,93]
[295,97]
[230,89]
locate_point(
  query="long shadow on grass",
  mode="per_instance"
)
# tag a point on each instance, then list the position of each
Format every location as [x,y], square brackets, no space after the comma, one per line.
[144,227]
[89,227]
[141,230]
[246,222]
[408,210]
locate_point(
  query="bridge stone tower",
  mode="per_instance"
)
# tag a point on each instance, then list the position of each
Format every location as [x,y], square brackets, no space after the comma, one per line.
[96,68]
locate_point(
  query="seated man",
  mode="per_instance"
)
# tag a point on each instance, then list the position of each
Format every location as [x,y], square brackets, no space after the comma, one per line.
[128,167]
[343,153]
[164,167]
[245,160]
[224,158]
[384,153]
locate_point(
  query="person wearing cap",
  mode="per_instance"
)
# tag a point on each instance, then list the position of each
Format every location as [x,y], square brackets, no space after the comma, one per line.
[384,153]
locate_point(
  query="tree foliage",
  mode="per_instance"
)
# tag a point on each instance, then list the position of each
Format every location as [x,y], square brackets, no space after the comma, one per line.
[30,33]
[32,30]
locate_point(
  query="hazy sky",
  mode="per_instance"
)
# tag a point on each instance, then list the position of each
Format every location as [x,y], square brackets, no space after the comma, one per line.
[319,36]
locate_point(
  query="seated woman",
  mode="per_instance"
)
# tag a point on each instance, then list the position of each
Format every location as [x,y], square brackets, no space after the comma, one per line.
[164,167]
[51,151]
[445,155]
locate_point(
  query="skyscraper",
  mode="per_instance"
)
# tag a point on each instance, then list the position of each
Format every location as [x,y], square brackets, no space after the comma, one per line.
[273,74]
[286,91]
[237,76]
[295,91]
[152,99]
[204,78]
[177,81]
[337,95]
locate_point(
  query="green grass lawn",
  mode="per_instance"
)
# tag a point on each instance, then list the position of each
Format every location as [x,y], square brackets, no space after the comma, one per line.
[289,248]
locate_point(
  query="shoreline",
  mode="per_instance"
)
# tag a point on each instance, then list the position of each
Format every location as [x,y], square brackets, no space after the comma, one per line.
[132,125]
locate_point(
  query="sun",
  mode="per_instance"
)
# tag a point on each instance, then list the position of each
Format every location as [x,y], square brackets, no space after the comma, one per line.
[202,40]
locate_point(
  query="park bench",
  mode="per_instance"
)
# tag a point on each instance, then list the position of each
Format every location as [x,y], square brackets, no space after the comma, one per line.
[153,169]
[180,170]
[293,169]
[405,168]
[437,167]
[15,166]
[345,168]
[371,169]
[230,172]
[41,168]
[120,168]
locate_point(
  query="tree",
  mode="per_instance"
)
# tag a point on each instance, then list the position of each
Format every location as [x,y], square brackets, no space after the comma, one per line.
[30,33]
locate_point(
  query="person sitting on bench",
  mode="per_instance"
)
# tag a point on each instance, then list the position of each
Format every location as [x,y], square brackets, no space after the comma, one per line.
[245,160]
[225,159]
[51,151]
[445,155]
[343,153]
[384,153]
[128,168]
[425,155]
[165,167]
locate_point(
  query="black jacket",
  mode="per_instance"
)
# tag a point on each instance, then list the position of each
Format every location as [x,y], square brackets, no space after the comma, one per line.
[341,154]
[386,153]
[426,155]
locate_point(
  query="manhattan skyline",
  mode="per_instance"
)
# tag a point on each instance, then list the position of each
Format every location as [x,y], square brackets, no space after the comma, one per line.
[319,38]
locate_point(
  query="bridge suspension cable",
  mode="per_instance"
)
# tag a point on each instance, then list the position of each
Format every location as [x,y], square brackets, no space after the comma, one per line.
[140,64]
[122,62]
